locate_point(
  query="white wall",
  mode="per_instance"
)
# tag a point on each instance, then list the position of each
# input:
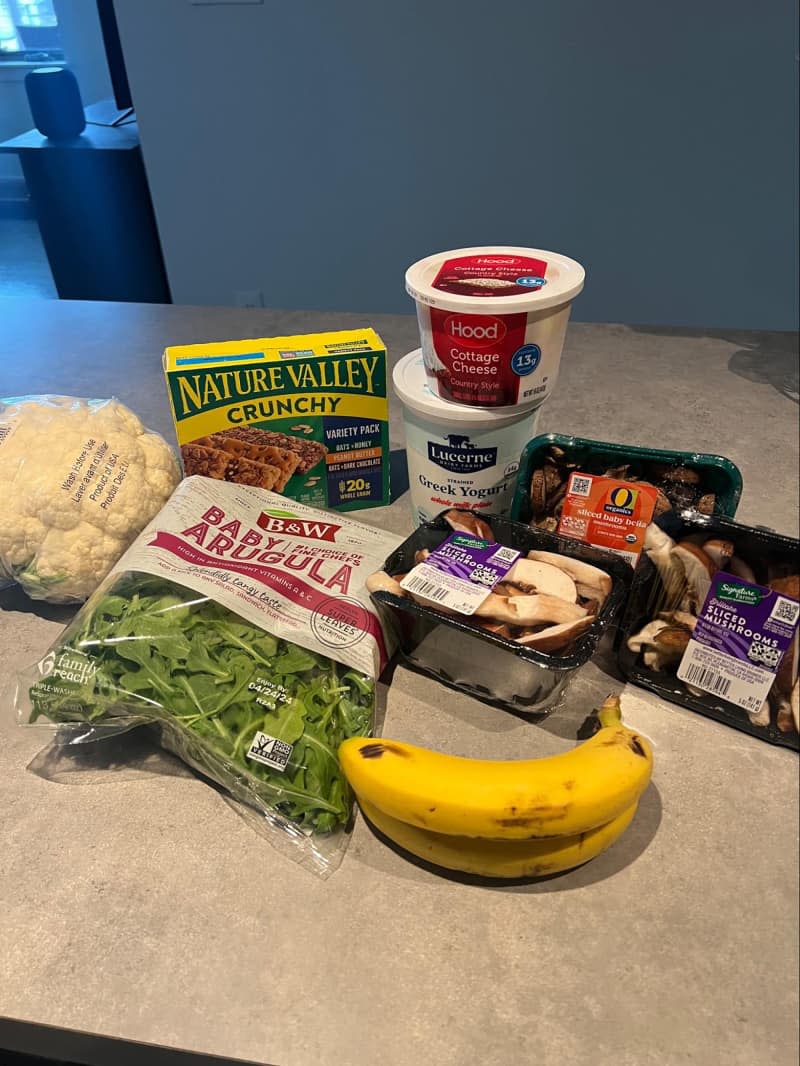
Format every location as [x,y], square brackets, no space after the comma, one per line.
[15,115]
[83,47]
[312,149]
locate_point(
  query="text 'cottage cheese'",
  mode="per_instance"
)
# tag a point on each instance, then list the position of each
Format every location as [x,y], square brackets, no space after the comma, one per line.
[492,322]
[458,456]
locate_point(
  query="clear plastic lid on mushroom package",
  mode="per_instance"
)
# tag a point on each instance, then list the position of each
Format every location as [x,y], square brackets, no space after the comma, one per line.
[540,606]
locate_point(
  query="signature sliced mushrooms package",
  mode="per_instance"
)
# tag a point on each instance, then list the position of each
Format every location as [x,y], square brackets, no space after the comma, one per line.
[239,628]
[712,624]
[496,609]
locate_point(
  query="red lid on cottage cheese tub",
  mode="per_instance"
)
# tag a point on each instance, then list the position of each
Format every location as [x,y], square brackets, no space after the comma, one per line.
[492,322]
[495,279]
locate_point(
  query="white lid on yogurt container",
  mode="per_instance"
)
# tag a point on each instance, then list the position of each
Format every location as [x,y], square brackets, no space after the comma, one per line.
[564,280]
[411,386]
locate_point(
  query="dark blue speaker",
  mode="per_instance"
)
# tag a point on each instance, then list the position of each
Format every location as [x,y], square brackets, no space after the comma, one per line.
[56,103]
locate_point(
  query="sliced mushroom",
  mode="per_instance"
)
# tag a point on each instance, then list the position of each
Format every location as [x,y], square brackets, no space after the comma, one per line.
[663,504]
[658,546]
[784,718]
[620,473]
[467,522]
[683,474]
[513,588]
[761,716]
[543,577]
[721,551]
[673,641]
[381,581]
[707,503]
[528,610]
[787,586]
[739,568]
[555,502]
[680,618]
[552,478]
[591,582]
[698,569]
[538,493]
[549,524]
[794,703]
[646,637]
[421,555]
[558,637]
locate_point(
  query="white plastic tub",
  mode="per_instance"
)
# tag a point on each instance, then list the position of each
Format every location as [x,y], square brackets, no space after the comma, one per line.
[492,322]
[458,456]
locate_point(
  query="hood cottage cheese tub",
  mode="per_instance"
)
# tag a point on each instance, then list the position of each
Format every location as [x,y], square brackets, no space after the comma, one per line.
[492,322]
[458,456]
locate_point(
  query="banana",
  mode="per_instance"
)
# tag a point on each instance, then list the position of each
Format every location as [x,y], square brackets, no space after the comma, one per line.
[500,858]
[561,795]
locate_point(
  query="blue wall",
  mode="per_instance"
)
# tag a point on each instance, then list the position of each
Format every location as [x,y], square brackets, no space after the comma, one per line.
[313,149]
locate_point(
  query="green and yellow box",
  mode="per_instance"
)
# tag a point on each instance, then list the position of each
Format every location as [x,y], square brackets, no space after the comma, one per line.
[306,416]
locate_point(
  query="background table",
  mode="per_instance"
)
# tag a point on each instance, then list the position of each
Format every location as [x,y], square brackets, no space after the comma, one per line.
[137,905]
[95,215]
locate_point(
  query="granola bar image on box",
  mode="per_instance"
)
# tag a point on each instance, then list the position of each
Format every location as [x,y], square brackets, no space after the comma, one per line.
[223,466]
[286,461]
[310,452]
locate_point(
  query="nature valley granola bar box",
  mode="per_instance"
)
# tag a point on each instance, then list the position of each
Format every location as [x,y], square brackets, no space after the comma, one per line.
[304,416]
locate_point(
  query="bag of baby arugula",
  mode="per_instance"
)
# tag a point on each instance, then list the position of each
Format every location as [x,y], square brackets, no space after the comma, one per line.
[237,625]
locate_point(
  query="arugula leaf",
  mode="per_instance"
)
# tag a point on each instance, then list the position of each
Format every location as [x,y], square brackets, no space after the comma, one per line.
[212,680]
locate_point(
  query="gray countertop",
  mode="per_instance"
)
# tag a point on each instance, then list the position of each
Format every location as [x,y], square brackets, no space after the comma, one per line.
[136,904]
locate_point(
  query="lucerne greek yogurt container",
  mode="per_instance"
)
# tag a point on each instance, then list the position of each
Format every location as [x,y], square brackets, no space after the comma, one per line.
[458,456]
[492,322]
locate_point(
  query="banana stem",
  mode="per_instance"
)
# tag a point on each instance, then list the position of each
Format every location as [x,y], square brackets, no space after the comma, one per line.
[610,713]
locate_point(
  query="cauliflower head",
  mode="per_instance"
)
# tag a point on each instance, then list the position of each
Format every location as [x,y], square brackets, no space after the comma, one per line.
[79,479]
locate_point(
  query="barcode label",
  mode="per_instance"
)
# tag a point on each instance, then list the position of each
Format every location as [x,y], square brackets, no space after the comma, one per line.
[580,486]
[5,431]
[447,590]
[707,680]
[741,683]
[431,590]
[783,610]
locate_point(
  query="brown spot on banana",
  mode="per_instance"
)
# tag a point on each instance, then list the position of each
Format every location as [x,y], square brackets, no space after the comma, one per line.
[636,747]
[376,750]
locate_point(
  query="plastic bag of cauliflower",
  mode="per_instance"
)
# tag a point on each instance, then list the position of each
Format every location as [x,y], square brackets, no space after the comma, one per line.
[78,480]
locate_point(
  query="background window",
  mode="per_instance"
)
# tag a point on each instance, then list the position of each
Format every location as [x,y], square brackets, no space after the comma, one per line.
[29,31]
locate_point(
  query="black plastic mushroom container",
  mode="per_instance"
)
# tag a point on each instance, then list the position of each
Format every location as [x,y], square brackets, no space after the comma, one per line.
[489,667]
[768,555]
[718,482]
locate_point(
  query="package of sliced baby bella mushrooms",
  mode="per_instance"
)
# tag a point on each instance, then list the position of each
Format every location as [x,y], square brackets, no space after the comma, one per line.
[238,627]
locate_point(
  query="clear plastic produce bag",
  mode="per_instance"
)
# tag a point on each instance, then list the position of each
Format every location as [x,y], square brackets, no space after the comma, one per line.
[255,713]
[78,480]
[229,690]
